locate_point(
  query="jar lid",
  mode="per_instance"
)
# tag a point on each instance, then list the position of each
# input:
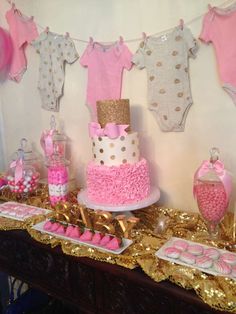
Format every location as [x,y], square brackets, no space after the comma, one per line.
[27,149]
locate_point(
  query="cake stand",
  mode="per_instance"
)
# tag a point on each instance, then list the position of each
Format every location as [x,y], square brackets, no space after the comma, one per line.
[151,199]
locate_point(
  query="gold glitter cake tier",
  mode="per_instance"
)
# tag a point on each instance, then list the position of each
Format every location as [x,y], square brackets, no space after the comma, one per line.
[116,111]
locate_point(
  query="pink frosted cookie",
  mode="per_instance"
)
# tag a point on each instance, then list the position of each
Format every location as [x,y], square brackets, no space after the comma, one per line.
[212,253]
[86,236]
[172,252]
[229,258]
[21,215]
[204,261]
[12,213]
[97,237]
[222,268]
[39,212]
[181,245]
[114,244]
[195,249]
[31,211]
[233,271]
[187,258]
[47,226]
[105,240]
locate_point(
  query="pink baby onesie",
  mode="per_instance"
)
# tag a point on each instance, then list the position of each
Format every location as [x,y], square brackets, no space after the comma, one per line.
[23,30]
[219,28]
[105,67]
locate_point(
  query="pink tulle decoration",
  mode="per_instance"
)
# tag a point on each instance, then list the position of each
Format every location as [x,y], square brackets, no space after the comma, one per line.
[6,53]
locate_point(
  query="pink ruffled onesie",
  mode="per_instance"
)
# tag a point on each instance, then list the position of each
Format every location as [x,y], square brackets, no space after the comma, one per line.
[219,29]
[23,31]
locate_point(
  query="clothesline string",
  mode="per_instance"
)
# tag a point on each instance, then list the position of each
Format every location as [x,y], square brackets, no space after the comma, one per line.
[225,3]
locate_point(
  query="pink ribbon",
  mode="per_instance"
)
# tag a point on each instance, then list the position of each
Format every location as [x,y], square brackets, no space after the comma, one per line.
[18,165]
[218,168]
[111,130]
[46,141]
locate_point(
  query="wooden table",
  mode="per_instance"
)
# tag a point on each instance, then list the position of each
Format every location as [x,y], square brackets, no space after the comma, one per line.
[92,286]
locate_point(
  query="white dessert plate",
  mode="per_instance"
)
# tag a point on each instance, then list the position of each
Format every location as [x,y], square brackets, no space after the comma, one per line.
[125,242]
[160,253]
[151,199]
[20,206]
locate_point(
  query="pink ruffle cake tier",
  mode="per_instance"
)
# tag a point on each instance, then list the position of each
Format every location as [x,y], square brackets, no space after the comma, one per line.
[118,185]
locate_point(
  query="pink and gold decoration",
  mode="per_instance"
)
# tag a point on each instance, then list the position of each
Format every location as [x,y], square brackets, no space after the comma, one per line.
[218,292]
[212,189]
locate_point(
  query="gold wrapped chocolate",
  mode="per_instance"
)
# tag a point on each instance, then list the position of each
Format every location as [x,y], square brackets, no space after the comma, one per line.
[117,111]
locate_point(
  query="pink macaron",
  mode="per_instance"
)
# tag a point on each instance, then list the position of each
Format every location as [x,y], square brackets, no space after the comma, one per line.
[221,267]
[180,245]
[229,258]
[195,249]
[172,252]
[187,258]
[212,253]
[204,261]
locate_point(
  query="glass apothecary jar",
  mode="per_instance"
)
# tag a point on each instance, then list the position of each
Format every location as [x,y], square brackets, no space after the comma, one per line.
[22,176]
[52,140]
[212,190]
[58,178]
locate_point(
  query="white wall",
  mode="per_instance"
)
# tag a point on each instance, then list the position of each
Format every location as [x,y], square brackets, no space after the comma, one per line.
[173,156]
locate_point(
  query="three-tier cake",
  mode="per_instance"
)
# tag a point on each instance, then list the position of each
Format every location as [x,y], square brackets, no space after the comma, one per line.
[117,175]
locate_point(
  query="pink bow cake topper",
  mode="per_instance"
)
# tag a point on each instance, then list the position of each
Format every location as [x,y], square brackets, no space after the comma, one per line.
[219,169]
[111,130]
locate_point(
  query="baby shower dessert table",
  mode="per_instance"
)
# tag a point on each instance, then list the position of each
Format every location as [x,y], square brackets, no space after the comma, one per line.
[92,286]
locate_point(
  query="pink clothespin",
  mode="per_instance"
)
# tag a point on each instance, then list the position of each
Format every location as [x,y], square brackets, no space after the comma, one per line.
[121,40]
[144,35]
[209,7]
[181,23]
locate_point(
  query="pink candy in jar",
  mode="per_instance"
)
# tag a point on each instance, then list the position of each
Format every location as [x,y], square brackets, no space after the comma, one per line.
[22,178]
[57,183]
[212,200]
[212,188]
[27,184]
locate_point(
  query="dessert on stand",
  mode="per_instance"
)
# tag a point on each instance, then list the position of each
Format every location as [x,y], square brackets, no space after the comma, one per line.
[118,177]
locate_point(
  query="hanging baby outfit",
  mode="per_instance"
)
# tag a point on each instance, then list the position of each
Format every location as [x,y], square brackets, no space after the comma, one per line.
[105,68]
[219,29]
[166,61]
[54,50]
[23,31]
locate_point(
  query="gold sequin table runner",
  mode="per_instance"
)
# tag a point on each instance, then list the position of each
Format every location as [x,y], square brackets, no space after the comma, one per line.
[156,226]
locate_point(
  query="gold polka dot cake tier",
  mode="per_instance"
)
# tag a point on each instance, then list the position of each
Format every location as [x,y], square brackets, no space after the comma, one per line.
[114,152]
[116,111]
